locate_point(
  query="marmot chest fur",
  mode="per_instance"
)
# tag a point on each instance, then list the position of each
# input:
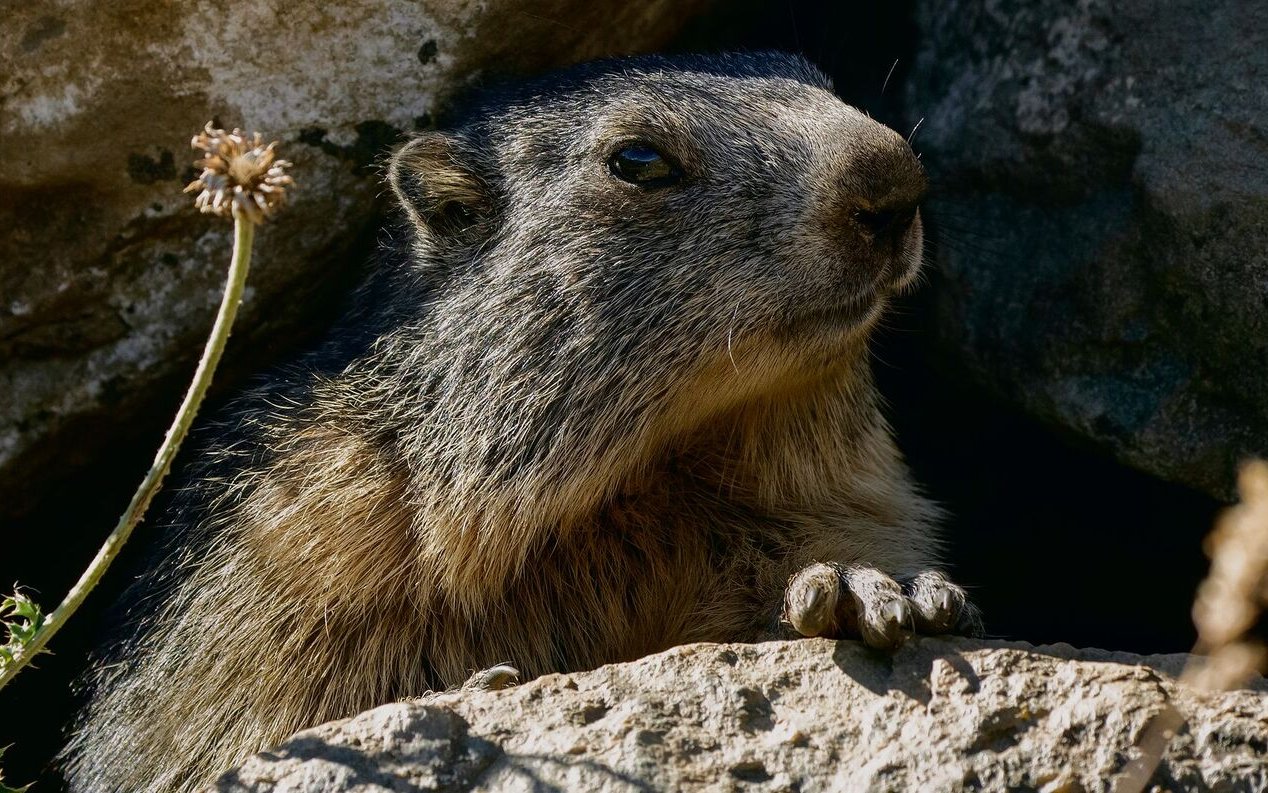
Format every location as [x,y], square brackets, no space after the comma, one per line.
[610,393]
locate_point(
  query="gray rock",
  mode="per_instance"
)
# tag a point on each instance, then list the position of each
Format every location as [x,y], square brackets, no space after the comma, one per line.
[1104,208]
[940,715]
[108,278]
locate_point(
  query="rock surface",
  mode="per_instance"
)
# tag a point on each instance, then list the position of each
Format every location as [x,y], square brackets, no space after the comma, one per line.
[939,715]
[108,278]
[1103,204]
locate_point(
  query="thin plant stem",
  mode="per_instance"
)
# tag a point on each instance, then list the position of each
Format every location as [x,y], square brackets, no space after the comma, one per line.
[243,234]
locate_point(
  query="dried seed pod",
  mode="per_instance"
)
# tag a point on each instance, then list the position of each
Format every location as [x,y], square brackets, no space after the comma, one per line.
[240,175]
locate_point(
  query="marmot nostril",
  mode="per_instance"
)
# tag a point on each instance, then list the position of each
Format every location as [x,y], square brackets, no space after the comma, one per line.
[885,223]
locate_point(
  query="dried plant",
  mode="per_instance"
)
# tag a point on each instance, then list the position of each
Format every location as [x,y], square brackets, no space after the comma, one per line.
[1236,590]
[1228,603]
[241,175]
[241,178]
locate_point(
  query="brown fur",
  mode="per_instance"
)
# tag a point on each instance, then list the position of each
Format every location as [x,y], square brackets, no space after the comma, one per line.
[380,528]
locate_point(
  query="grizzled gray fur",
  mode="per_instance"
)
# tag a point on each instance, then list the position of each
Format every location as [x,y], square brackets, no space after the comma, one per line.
[607,392]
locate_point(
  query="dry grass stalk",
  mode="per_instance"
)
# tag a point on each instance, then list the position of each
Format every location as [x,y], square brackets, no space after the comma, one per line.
[1228,603]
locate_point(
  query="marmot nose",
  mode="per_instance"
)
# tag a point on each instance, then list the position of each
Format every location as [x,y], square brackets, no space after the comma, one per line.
[883,188]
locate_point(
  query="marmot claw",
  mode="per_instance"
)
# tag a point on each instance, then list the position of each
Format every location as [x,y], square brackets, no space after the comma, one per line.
[495,678]
[859,601]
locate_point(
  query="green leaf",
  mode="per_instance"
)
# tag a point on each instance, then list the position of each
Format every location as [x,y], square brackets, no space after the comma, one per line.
[20,606]
[5,788]
[22,620]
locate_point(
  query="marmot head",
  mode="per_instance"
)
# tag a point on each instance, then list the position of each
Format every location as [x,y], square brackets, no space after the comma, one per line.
[735,194]
[617,252]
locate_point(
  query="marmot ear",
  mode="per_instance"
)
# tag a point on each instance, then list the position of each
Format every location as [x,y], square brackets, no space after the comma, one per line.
[435,180]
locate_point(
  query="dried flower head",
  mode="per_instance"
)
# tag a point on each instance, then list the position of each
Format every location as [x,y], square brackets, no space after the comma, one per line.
[1235,592]
[241,175]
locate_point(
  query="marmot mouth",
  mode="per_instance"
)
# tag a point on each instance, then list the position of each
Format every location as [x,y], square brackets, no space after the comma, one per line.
[852,312]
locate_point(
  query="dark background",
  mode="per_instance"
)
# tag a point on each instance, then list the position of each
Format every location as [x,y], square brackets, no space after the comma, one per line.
[1055,542]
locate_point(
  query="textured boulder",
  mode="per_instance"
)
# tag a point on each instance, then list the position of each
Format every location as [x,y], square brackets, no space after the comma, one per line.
[108,278]
[1104,217]
[940,715]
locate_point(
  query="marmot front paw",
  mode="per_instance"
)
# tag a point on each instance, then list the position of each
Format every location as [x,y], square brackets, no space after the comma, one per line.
[495,678]
[839,600]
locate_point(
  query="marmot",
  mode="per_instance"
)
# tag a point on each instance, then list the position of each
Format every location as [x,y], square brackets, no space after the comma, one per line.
[607,392]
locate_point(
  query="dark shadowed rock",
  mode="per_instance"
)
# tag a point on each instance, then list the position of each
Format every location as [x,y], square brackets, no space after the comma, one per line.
[1103,204]
[108,278]
[941,714]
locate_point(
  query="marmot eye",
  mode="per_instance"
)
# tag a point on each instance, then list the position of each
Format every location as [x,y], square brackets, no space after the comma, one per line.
[642,165]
